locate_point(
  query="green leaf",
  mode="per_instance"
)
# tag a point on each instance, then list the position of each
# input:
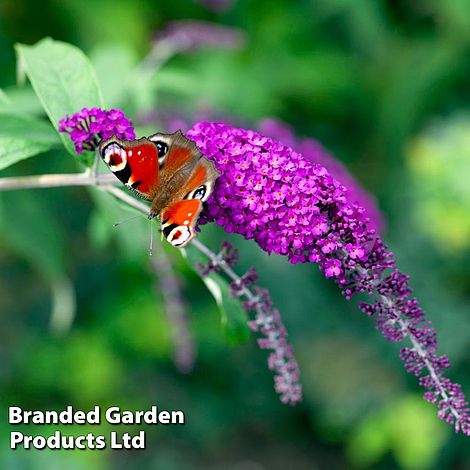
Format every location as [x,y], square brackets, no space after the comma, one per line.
[62,77]
[21,99]
[3,98]
[233,317]
[22,126]
[115,65]
[22,136]
[13,149]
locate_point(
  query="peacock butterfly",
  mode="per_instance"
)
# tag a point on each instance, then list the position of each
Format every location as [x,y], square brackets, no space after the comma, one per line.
[168,170]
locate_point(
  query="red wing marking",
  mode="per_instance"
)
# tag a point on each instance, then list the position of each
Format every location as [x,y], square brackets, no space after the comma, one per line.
[143,161]
[115,159]
[181,212]
[179,220]
[135,163]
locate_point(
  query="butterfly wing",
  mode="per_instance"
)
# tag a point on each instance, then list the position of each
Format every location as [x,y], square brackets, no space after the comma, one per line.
[135,163]
[179,221]
[177,153]
[189,178]
[170,171]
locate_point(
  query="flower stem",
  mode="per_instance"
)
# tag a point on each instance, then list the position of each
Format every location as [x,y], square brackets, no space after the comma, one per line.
[55,181]
[127,198]
[432,371]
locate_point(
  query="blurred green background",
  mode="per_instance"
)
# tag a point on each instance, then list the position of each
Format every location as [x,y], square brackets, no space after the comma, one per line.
[384,85]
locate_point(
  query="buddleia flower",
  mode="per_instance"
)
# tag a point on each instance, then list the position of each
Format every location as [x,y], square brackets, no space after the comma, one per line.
[89,126]
[292,207]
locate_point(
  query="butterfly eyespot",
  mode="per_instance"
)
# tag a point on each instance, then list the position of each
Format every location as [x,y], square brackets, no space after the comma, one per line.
[162,148]
[115,157]
[177,235]
[199,193]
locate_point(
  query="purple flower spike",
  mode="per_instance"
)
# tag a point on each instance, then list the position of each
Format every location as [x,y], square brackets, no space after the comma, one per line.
[314,152]
[88,127]
[267,321]
[281,360]
[290,206]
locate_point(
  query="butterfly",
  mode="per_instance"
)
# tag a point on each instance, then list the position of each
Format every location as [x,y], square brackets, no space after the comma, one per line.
[168,170]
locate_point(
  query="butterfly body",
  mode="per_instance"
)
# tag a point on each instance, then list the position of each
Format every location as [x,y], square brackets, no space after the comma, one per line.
[168,170]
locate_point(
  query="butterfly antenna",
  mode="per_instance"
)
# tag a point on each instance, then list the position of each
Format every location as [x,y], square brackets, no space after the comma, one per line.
[127,220]
[151,239]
